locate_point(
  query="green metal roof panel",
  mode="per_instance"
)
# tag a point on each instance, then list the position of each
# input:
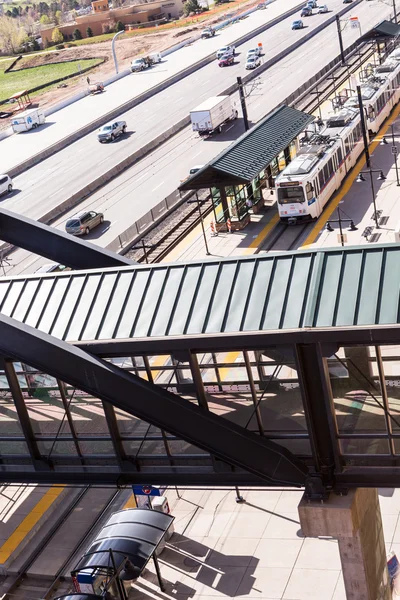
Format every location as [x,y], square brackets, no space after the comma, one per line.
[323,288]
[384,29]
[254,150]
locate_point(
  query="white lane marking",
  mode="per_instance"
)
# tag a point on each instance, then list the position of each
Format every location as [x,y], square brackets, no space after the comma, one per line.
[157,186]
[197,153]
[229,128]
[142,176]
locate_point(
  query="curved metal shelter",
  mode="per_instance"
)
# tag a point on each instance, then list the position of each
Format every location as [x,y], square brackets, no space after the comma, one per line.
[129,535]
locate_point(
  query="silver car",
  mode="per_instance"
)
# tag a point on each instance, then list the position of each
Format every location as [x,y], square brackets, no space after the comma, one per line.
[109,132]
[82,223]
[6,184]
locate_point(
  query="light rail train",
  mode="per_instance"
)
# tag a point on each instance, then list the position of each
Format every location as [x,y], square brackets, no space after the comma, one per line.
[326,156]
[322,162]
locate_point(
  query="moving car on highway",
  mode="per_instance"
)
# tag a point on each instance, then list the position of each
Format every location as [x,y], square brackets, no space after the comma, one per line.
[140,64]
[109,132]
[312,3]
[211,115]
[347,1]
[226,50]
[226,60]
[83,222]
[253,62]
[192,171]
[208,32]
[297,24]
[322,9]
[254,52]
[306,12]
[52,268]
[6,184]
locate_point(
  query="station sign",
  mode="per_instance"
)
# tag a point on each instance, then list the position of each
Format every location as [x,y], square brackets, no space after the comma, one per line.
[289,184]
[148,490]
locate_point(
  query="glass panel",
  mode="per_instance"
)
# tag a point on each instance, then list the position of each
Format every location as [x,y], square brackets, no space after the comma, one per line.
[51,448]
[8,447]
[97,447]
[364,446]
[356,390]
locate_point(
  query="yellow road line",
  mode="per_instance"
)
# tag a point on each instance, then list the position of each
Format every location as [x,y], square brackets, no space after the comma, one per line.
[131,503]
[29,522]
[349,181]
[262,235]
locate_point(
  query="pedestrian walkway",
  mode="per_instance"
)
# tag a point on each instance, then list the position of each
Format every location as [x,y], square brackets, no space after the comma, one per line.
[254,549]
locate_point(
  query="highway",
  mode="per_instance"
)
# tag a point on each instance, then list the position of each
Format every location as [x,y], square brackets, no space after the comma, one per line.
[18,148]
[133,193]
[69,171]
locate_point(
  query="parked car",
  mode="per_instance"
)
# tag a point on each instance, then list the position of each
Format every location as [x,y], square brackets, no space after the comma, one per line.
[52,268]
[83,222]
[306,12]
[208,32]
[109,132]
[254,52]
[297,24]
[6,184]
[322,9]
[226,60]
[253,62]
[226,50]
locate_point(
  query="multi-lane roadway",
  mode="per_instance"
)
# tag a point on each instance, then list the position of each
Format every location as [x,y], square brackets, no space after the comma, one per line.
[133,193]
[17,149]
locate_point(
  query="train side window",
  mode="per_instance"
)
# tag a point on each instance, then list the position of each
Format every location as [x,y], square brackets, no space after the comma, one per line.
[339,155]
[309,191]
[316,186]
[321,179]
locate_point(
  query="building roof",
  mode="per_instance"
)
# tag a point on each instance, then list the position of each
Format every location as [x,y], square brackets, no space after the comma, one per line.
[383,31]
[324,288]
[253,151]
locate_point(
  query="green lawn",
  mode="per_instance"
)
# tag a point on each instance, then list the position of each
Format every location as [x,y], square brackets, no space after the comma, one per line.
[10,83]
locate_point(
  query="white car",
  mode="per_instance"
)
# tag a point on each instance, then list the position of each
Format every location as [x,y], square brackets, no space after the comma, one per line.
[322,9]
[226,50]
[6,184]
[253,62]
[253,52]
[109,132]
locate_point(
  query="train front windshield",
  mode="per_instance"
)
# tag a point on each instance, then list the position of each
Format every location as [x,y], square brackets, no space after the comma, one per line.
[288,195]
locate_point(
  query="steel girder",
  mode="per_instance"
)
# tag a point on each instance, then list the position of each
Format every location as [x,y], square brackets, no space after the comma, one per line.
[214,434]
[56,245]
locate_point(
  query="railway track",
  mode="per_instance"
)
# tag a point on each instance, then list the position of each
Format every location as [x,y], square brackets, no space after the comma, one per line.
[284,238]
[33,580]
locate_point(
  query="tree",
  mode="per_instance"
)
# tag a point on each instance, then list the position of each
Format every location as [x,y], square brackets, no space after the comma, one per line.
[11,34]
[120,26]
[57,37]
[77,34]
[58,17]
[191,6]
[15,12]
[89,32]
[44,20]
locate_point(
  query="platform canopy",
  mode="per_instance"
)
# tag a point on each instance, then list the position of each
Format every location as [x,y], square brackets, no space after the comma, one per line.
[130,534]
[384,31]
[243,160]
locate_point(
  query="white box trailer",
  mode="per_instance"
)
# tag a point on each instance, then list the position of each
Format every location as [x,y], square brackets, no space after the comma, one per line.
[30,119]
[209,116]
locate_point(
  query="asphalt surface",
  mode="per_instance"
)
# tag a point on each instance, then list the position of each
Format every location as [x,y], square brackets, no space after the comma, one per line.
[132,194]
[19,148]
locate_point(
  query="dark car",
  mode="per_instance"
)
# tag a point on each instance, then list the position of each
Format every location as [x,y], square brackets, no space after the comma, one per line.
[226,60]
[297,24]
[347,1]
[306,12]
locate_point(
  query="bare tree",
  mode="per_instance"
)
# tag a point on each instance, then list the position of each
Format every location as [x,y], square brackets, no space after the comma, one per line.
[11,34]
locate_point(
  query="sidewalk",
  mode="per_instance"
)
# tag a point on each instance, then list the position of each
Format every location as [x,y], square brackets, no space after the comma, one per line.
[250,550]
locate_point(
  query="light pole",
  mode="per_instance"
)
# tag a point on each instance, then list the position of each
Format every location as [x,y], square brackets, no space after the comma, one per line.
[381,177]
[340,39]
[201,221]
[364,129]
[113,50]
[394,151]
[340,220]
[243,103]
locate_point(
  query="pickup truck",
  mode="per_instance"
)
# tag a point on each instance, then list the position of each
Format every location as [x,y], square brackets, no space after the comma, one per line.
[109,132]
[226,50]
[208,32]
